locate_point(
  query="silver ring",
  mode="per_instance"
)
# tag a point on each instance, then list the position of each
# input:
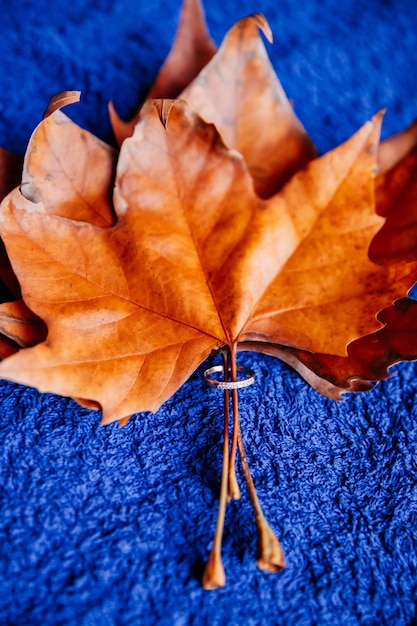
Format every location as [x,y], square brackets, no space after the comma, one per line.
[223,384]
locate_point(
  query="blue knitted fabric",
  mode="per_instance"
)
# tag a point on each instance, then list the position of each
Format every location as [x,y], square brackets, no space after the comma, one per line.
[106,526]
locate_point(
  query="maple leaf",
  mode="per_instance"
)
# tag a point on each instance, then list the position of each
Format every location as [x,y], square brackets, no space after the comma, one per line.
[224,231]
[191,51]
[369,357]
[10,175]
[19,327]
[190,265]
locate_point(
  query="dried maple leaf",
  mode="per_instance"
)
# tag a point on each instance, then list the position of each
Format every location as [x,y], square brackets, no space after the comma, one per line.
[368,358]
[213,241]
[269,135]
[191,51]
[223,87]
[192,264]
[396,188]
[10,175]
[200,257]
[19,327]
[10,171]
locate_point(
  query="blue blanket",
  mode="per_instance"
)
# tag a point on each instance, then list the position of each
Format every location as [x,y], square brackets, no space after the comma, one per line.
[106,526]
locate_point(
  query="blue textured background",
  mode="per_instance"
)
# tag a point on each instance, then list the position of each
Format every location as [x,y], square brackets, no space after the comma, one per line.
[111,526]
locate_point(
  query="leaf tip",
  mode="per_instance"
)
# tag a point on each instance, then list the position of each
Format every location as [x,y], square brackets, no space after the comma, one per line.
[61,99]
[396,147]
[379,116]
[262,23]
[122,130]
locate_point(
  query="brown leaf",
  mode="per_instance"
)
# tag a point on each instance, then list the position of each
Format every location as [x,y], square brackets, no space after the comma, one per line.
[10,171]
[10,176]
[73,183]
[16,321]
[239,92]
[191,264]
[395,148]
[20,326]
[9,285]
[368,357]
[84,198]
[321,299]
[191,51]
[396,193]
[102,302]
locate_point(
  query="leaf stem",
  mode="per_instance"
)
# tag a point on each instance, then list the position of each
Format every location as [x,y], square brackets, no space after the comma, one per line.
[269,552]
[233,486]
[214,575]
[270,556]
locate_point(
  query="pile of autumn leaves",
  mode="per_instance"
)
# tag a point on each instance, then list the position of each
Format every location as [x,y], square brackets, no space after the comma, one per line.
[215,224]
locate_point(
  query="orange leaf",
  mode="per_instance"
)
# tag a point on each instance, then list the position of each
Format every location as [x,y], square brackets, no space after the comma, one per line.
[239,92]
[86,198]
[193,262]
[73,183]
[323,297]
[19,325]
[191,51]
[396,199]
[368,358]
